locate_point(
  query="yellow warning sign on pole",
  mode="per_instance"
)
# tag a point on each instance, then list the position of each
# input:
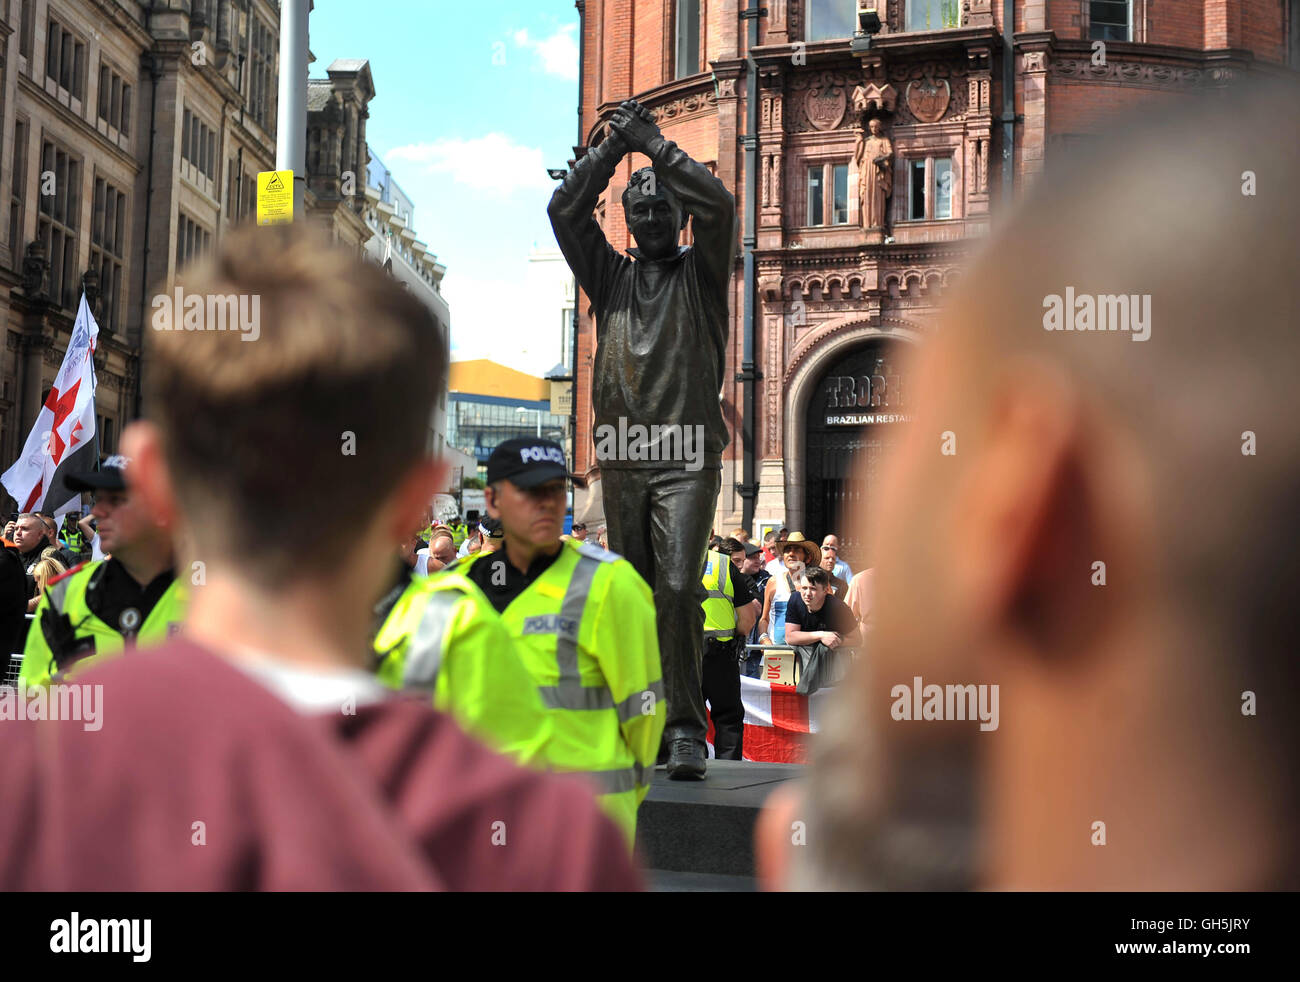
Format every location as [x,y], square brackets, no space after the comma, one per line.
[275,197]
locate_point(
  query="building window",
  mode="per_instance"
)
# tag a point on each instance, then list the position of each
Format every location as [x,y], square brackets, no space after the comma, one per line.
[816,175]
[943,187]
[479,427]
[688,38]
[933,15]
[250,194]
[104,428]
[57,224]
[1108,20]
[205,10]
[840,202]
[192,240]
[232,203]
[824,208]
[261,92]
[239,192]
[65,60]
[19,195]
[831,19]
[198,145]
[929,189]
[26,30]
[114,100]
[108,249]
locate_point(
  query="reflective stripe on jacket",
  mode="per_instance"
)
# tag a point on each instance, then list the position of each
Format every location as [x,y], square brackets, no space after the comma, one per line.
[458,534]
[586,632]
[719,610]
[67,596]
[443,637]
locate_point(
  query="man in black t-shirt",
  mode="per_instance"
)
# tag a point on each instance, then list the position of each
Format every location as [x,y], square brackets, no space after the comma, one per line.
[814,615]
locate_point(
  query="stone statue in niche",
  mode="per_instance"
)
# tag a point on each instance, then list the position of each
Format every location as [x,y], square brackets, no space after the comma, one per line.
[874,159]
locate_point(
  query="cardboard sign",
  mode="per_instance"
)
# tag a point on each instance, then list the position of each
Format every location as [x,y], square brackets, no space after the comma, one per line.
[780,667]
[275,197]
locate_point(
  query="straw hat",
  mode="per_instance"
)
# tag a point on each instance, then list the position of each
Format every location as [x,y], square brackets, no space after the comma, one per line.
[811,551]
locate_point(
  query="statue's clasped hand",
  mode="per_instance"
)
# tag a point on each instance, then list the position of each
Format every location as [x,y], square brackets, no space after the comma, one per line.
[634,124]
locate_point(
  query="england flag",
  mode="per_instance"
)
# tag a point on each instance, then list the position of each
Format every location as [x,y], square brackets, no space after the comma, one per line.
[63,439]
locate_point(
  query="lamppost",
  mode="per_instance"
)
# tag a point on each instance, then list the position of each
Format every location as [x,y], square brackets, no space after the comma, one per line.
[559,174]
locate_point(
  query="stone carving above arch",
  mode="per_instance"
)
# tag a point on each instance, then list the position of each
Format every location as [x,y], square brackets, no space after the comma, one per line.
[691,105]
[829,332]
[927,280]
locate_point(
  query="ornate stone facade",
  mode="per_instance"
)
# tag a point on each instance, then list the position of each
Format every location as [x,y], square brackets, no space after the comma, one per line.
[164,127]
[826,288]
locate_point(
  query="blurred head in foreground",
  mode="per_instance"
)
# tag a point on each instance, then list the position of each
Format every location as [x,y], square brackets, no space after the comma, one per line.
[1145,730]
[319,408]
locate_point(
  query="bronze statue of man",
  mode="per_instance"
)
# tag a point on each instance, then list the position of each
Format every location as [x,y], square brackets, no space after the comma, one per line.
[661,334]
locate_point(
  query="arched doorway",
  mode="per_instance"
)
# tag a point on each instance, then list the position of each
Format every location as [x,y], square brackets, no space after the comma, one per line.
[855,416]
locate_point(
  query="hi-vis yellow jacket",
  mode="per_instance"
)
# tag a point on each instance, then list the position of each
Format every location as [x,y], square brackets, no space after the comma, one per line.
[586,631]
[719,610]
[66,595]
[443,636]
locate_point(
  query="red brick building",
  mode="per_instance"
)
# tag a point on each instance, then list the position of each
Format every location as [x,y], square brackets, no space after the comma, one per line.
[839,279]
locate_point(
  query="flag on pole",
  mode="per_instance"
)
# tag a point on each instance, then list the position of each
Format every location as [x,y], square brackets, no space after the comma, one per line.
[63,439]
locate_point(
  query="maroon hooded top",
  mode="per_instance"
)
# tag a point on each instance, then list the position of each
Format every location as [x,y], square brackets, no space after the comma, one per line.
[200,778]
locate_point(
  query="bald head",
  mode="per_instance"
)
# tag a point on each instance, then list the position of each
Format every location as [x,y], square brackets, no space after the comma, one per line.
[1111,543]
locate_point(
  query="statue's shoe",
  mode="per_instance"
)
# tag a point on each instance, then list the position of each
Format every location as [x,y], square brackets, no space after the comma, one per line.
[686,760]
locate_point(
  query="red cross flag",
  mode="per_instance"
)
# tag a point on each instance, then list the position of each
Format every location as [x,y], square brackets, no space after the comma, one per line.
[63,439]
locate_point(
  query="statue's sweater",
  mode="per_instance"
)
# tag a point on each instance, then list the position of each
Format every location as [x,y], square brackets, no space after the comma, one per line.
[661,326]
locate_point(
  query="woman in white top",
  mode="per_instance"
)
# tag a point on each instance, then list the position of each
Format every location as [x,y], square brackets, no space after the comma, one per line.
[796,552]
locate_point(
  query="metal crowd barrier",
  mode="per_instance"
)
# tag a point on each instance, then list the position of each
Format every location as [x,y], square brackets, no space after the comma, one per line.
[14,665]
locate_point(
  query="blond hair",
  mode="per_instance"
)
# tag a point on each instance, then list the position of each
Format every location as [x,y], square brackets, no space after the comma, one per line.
[46,570]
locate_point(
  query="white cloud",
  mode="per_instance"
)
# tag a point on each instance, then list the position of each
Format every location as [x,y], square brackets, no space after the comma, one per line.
[558,53]
[501,318]
[487,163]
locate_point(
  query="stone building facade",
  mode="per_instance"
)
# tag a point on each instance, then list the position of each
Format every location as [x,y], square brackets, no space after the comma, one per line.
[836,292]
[390,215]
[131,136]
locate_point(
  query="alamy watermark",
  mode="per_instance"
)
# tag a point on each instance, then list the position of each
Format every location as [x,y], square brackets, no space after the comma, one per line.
[1102,312]
[946,702]
[80,703]
[654,442]
[102,935]
[211,312]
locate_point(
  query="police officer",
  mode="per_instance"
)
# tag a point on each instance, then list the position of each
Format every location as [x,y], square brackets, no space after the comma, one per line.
[583,621]
[459,532]
[441,636]
[101,608]
[729,612]
[73,536]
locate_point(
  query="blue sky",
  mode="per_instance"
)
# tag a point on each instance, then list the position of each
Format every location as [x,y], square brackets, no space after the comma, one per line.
[454,80]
